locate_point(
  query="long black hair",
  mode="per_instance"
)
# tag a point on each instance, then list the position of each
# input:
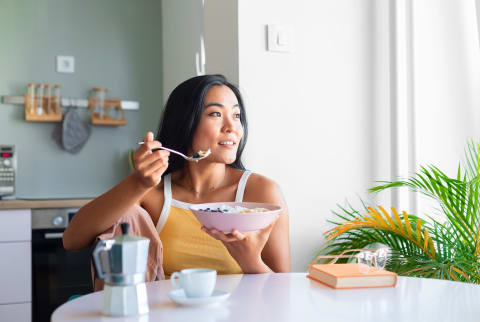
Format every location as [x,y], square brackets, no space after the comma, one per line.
[182,114]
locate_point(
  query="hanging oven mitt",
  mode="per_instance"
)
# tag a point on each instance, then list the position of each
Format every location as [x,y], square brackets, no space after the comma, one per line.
[75,132]
[72,133]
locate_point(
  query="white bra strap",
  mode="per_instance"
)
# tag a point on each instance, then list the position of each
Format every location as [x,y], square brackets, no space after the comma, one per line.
[241,186]
[167,193]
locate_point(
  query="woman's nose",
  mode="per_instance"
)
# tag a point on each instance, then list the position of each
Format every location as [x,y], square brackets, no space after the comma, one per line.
[228,124]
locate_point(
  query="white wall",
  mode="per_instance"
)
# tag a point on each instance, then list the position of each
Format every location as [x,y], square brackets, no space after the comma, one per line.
[317,126]
[447,82]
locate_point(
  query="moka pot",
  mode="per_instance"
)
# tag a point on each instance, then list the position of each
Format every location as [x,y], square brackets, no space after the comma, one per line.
[122,262]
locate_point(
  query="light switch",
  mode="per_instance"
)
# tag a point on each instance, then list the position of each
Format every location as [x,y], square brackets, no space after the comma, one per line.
[65,64]
[280,38]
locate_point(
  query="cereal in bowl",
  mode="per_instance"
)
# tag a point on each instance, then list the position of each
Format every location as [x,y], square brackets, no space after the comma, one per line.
[235,209]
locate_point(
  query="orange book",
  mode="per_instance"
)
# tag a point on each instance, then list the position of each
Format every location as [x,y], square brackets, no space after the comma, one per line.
[349,276]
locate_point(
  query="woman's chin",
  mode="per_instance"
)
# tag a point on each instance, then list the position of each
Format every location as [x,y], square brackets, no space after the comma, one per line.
[225,158]
[228,160]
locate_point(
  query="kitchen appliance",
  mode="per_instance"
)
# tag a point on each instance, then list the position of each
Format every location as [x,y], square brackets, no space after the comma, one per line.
[8,167]
[57,274]
[122,262]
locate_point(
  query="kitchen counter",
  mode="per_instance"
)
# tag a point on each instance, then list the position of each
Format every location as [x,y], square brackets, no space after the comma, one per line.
[44,203]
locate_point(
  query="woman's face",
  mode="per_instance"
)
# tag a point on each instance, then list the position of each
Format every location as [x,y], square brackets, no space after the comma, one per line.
[219,129]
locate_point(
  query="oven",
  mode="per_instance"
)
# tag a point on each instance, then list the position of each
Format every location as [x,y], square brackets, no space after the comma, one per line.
[57,274]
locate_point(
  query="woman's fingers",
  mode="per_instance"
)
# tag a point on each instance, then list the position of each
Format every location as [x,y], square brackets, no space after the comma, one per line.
[156,167]
[227,238]
[148,137]
[147,142]
[150,165]
[146,148]
[238,235]
[143,156]
[147,161]
[148,145]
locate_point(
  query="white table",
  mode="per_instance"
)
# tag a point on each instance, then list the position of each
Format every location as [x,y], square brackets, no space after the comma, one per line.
[293,297]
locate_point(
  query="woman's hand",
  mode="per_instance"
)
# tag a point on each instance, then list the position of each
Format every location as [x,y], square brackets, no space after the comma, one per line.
[150,166]
[245,248]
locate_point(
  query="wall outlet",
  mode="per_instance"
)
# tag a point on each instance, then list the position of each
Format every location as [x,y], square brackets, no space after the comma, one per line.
[66,64]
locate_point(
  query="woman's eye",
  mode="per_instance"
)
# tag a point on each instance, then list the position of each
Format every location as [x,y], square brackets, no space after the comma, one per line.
[237,115]
[215,114]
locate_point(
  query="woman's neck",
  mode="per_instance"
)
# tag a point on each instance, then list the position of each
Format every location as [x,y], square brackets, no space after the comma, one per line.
[202,178]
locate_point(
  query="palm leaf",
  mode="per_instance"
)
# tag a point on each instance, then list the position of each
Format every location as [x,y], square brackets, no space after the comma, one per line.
[449,249]
[375,220]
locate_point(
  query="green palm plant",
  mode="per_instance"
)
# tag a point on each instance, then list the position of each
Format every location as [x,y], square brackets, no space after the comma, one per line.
[443,249]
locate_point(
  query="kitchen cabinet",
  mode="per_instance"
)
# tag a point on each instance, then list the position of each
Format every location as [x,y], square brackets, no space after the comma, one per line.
[16,267]
[16,312]
[16,225]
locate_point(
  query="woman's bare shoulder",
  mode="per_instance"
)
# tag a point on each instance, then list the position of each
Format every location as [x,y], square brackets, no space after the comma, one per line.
[260,188]
[261,180]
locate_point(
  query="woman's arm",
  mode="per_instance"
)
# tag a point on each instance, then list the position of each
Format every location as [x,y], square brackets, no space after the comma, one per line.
[276,252]
[100,214]
[265,250]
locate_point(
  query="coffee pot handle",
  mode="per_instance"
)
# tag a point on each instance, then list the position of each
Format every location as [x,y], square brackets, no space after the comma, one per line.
[103,245]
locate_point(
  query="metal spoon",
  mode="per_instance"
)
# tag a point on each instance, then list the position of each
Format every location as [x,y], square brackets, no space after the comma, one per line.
[195,157]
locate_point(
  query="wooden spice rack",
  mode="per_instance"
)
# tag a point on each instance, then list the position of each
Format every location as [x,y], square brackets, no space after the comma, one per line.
[106,119]
[51,110]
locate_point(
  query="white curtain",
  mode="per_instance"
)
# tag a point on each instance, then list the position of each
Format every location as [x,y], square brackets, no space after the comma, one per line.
[438,75]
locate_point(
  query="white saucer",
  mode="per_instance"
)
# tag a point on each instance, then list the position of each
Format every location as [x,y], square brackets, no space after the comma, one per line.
[178,296]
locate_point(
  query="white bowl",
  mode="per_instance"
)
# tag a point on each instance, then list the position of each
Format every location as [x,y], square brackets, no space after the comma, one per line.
[243,222]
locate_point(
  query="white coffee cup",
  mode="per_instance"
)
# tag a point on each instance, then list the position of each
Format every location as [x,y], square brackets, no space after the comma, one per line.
[195,282]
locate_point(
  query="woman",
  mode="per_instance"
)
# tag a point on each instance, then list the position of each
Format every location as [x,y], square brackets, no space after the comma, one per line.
[204,112]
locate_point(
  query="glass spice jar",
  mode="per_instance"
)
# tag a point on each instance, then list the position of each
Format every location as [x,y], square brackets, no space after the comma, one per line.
[98,95]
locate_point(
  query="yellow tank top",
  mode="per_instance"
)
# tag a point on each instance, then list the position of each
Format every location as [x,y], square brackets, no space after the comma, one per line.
[185,245]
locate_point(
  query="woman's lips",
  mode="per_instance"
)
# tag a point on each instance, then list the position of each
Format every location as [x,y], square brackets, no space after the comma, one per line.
[227,146]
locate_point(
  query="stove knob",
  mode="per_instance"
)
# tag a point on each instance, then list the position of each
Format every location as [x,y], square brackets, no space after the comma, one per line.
[57,221]
[6,163]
